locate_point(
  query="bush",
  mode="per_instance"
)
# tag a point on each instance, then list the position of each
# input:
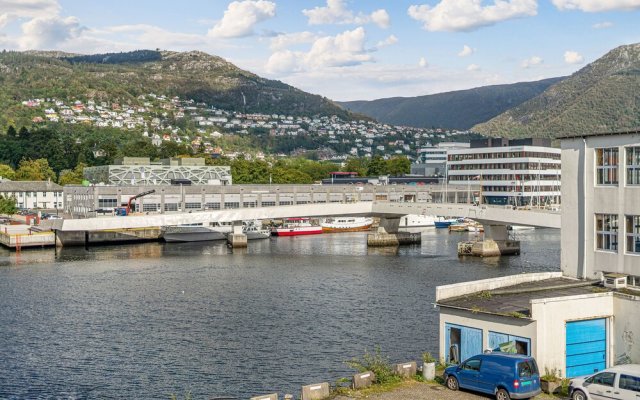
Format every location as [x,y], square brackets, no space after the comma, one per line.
[376,363]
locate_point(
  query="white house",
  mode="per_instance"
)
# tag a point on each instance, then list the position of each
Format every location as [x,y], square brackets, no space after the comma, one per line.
[586,317]
[44,195]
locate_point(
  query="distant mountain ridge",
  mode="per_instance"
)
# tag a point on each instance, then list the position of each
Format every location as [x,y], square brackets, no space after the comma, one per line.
[460,109]
[603,96]
[122,77]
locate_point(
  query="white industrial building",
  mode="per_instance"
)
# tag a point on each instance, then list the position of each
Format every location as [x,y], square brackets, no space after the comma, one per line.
[44,195]
[432,160]
[519,172]
[134,171]
[587,317]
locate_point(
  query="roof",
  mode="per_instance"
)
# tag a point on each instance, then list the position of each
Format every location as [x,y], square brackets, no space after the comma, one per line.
[630,131]
[29,186]
[515,301]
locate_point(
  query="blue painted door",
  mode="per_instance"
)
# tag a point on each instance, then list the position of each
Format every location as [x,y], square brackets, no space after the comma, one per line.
[586,347]
[465,342]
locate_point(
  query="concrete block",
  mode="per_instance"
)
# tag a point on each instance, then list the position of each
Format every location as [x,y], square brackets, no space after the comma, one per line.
[317,391]
[237,240]
[406,370]
[273,396]
[363,380]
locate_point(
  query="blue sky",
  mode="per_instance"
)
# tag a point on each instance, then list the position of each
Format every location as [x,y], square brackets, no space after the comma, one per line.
[344,49]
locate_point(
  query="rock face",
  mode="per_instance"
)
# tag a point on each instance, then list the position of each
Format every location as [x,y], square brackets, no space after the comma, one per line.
[122,77]
[603,96]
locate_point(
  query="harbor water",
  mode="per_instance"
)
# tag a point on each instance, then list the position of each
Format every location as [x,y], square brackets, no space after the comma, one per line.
[151,320]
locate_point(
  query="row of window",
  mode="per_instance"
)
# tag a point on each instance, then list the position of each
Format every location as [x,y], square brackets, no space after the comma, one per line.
[507,177]
[626,382]
[608,161]
[508,166]
[607,232]
[31,194]
[497,155]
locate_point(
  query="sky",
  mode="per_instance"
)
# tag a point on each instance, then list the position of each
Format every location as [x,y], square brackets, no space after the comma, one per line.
[343,49]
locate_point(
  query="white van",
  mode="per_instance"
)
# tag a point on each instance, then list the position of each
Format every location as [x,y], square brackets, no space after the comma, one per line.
[621,382]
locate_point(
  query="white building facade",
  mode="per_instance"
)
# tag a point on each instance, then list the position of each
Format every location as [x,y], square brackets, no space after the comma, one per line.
[43,195]
[432,160]
[518,173]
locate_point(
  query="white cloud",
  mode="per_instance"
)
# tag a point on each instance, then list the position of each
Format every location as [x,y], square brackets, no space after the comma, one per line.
[241,17]
[153,36]
[336,12]
[423,62]
[473,67]
[468,15]
[4,20]
[573,57]
[532,61]
[49,32]
[466,51]
[284,40]
[596,5]
[345,49]
[12,9]
[283,61]
[602,25]
[391,40]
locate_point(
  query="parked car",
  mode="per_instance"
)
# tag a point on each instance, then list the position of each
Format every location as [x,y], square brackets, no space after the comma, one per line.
[507,376]
[621,382]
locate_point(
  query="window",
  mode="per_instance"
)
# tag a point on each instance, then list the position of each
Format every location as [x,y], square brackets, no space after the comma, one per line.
[192,206]
[607,232]
[603,378]
[633,165]
[473,364]
[212,206]
[633,233]
[150,207]
[628,382]
[607,166]
[527,369]
[171,206]
[104,203]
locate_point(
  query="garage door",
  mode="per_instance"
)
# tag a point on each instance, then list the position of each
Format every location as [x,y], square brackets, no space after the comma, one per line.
[586,347]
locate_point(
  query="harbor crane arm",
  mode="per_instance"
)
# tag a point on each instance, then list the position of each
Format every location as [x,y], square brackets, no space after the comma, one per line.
[132,198]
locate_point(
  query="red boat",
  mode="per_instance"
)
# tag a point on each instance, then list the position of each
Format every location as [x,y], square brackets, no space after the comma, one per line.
[297,226]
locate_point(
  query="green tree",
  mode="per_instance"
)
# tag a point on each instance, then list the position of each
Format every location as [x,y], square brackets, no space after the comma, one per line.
[34,170]
[399,165]
[7,172]
[355,164]
[8,205]
[377,166]
[289,176]
[72,176]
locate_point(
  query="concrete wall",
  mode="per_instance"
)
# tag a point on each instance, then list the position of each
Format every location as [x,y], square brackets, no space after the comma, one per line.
[626,335]
[523,327]
[552,314]
[463,288]
[582,199]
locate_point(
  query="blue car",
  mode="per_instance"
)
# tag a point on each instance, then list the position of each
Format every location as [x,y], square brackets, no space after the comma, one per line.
[507,376]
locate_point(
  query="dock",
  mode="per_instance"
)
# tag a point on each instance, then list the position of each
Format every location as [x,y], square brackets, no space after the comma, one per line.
[17,237]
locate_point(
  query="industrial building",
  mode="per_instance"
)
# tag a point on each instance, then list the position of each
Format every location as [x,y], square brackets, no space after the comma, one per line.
[132,171]
[585,318]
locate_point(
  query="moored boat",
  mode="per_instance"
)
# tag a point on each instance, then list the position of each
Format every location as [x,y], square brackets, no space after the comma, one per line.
[195,233]
[254,230]
[296,227]
[346,224]
[445,223]
[418,221]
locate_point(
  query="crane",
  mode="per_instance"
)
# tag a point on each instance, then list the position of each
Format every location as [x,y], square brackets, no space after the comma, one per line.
[126,211]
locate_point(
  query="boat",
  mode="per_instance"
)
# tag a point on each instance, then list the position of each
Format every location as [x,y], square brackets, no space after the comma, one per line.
[418,221]
[254,230]
[196,232]
[475,227]
[458,227]
[346,224]
[295,227]
[520,228]
[445,223]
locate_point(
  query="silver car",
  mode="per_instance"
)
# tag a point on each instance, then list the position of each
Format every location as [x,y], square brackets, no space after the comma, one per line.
[621,382]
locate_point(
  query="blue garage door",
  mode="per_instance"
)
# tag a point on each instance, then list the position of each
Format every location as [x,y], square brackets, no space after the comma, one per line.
[461,342]
[586,347]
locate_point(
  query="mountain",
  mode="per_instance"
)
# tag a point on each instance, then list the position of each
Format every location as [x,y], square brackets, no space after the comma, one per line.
[603,96]
[122,77]
[460,109]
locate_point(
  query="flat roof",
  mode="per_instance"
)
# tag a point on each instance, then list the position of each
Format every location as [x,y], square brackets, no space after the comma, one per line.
[515,300]
[630,131]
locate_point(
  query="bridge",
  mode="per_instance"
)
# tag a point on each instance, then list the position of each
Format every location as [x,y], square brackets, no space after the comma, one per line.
[388,203]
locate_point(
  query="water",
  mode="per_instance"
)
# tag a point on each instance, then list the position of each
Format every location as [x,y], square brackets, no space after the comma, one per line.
[147,321]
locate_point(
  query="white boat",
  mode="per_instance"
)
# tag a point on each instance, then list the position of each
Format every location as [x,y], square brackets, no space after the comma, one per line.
[520,228]
[346,224]
[418,221]
[196,232]
[254,230]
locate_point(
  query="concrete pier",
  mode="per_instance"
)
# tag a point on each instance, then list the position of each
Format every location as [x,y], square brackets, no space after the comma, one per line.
[110,236]
[20,236]
[237,240]
[496,242]
[383,239]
